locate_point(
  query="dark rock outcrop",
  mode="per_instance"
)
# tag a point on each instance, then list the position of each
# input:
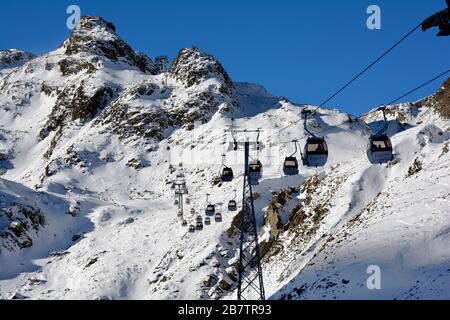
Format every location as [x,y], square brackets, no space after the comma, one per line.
[14,58]
[19,222]
[77,102]
[96,36]
[132,115]
[72,67]
[193,66]
[441,100]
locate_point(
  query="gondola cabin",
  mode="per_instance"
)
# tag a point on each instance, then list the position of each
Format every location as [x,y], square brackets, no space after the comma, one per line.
[218,217]
[210,209]
[255,167]
[199,225]
[379,149]
[316,152]
[227,174]
[232,205]
[255,171]
[290,166]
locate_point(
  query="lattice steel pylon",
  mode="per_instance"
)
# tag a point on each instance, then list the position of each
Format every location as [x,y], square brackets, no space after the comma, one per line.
[180,191]
[250,283]
[161,63]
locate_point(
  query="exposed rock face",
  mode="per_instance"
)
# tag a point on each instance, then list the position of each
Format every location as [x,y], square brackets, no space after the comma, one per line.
[235,226]
[92,46]
[225,284]
[415,168]
[71,66]
[209,281]
[14,58]
[441,100]
[4,155]
[79,101]
[193,66]
[306,218]
[136,112]
[98,37]
[131,114]
[272,217]
[17,222]
[273,221]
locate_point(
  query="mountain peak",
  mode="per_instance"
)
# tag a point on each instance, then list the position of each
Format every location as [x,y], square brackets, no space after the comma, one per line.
[94,35]
[90,34]
[193,66]
[94,23]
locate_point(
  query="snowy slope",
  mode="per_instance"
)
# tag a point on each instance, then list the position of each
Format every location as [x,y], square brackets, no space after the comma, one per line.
[91,139]
[394,217]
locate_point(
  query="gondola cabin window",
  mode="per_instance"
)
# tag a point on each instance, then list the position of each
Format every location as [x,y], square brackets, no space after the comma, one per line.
[316,148]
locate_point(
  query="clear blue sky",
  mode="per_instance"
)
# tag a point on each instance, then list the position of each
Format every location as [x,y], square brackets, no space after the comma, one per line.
[303,50]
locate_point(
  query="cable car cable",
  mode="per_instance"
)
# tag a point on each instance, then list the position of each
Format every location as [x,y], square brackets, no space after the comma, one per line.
[390,103]
[419,87]
[387,104]
[359,75]
[369,66]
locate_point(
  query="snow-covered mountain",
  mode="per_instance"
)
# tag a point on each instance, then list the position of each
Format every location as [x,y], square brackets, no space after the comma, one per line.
[10,59]
[91,137]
